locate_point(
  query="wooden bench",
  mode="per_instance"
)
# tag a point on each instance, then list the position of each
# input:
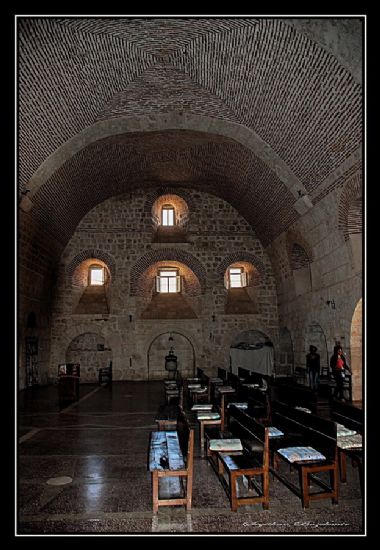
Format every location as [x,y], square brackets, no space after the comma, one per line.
[353,418]
[295,395]
[250,463]
[166,417]
[105,373]
[310,431]
[171,464]
[222,374]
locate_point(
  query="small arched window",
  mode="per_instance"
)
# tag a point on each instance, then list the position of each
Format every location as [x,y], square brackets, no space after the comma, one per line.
[96,275]
[236,277]
[168,215]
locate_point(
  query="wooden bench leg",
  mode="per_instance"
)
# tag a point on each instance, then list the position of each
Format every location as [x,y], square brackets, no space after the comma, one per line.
[265,477]
[334,484]
[155,491]
[342,466]
[202,437]
[233,492]
[189,490]
[304,488]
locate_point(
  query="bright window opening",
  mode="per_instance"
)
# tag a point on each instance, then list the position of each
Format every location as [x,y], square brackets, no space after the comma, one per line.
[96,276]
[167,215]
[237,277]
[168,281]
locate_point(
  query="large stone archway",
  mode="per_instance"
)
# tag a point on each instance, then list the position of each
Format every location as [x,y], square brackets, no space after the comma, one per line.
[356,345]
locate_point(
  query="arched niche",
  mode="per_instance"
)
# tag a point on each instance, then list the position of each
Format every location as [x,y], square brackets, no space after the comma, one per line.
[176,230]
[252,350]
[159,348]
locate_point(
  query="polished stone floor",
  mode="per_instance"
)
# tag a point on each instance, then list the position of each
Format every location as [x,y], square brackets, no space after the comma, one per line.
[101,443]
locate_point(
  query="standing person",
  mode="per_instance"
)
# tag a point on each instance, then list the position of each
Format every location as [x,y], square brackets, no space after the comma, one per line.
[338,365]
[313,365]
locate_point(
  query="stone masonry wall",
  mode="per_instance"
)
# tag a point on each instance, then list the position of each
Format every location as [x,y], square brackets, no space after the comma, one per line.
[334,277]
[37,253]
[121,227]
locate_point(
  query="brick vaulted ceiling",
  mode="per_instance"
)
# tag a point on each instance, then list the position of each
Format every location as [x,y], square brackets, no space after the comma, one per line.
[297,94]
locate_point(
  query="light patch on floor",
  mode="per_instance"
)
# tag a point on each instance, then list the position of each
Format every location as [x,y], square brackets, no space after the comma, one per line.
[62,480]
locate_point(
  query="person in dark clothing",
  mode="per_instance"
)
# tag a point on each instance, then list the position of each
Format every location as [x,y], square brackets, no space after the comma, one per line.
[313,365]
[338,365]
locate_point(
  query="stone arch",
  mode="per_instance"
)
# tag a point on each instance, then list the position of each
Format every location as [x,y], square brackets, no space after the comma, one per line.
[91,351]
[350,211]
[155,194]
[350,218]
[164,254]
[356,345]
[303,249]
[91,253]
[300,256]
[179,204]
[176,120]
[158,349]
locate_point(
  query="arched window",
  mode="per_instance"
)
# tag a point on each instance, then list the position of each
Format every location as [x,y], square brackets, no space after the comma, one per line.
[168,215]
[96,275]
[236,277]
[168,280]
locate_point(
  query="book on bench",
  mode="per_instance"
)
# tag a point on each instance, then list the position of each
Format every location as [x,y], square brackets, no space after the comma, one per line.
[298,454]
[304,409]
[275,432]
[202,407]
[350,442]
[238,405]
[225,445]
[342,431]
[208,416]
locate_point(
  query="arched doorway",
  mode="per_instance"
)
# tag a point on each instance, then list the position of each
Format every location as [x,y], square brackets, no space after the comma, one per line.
[159,348]
[91,351]
[356,352]
[252,350]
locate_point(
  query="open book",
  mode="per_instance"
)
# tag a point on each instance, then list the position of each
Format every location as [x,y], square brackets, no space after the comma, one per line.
[296,454]
[225,445]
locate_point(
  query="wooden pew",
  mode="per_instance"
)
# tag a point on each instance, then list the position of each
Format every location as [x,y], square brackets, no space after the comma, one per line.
[249,464]
[306,431]
[295,395]
[353,418]
[222,374]
[171,455]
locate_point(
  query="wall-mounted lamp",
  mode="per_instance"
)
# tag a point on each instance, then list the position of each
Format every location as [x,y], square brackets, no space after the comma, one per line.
[331,303]
[213,317]
[171,339]
[130,318]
